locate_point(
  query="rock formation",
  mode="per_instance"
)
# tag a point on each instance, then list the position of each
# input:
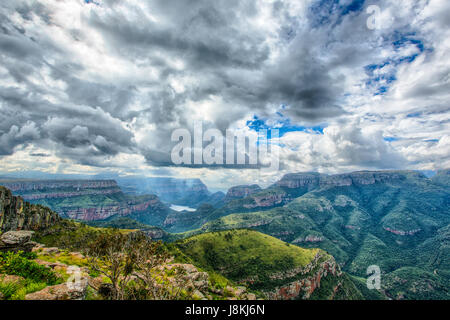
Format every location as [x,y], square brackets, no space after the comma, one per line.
[16,214]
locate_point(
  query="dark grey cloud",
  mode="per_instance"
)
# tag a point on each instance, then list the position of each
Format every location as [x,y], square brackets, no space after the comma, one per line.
[242,57]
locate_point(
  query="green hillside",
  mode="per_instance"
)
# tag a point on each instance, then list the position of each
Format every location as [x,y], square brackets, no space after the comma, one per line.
[270,265]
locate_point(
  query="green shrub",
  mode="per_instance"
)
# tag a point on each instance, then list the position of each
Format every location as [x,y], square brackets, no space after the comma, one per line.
[9,289]
[18,264]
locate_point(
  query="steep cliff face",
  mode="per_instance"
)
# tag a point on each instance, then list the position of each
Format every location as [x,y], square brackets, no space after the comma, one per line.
[32,190]
[240,192]
[367,178]
[313,180]
[151,203]
[304,282]
[16,214]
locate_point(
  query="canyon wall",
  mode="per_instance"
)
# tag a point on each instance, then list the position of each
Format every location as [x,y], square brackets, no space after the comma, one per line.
[33,190]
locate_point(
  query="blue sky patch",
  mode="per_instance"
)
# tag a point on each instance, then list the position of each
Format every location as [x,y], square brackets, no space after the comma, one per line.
[391,139]
[283,125]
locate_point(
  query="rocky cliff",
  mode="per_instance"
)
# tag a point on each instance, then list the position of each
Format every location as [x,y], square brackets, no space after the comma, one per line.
[313,180]
[367,178]
[303,282]
[32,190]
[240,192]
[16,214]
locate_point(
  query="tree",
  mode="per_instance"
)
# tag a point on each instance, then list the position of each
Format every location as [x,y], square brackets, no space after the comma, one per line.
[135,266]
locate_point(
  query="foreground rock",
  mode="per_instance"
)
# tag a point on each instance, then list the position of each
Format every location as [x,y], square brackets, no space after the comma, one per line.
[65,291]
[17,241]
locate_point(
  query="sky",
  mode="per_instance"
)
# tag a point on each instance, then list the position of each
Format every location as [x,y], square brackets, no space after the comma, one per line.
[98,86]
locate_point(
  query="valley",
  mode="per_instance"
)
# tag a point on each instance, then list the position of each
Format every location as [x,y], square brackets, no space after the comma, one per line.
[338,224]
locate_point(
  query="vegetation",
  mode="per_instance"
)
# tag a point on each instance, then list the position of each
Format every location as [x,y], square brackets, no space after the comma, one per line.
[131,264]
[28,276]
[21,264]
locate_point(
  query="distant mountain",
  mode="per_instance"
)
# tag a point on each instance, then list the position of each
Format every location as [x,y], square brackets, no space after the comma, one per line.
[394,219]
[186,192]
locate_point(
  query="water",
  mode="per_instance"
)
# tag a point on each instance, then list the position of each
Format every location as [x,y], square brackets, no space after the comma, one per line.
[181,208]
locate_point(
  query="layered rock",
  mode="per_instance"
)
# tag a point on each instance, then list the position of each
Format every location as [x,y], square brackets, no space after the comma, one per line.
[104,212]
[309,279]
[33,190]
[16,214]
[241,192]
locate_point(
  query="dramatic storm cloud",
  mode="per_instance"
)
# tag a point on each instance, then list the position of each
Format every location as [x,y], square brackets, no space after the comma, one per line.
[99,86]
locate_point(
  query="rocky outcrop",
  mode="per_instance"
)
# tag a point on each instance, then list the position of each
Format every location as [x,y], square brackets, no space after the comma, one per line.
[17,241]
[309,238]
[16,214]
[309,279]
[402,232]
[64,291]
[267,200]
[241,192]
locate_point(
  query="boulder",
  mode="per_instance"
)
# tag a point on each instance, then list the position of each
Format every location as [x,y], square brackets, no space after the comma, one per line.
[17,241]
